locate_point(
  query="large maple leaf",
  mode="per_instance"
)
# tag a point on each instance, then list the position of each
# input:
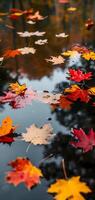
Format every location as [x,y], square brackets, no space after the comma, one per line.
[38,136]
[17,88]
[6,130]
[84,141]
[78,75]
[23,172]
[75,93]
[69,189]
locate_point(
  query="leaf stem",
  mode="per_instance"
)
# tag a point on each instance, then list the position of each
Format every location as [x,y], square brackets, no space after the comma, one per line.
[64,169]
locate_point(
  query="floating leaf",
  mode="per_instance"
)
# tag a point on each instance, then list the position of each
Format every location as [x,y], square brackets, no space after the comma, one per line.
[23,172]
[69,189]
[38,136]
[78,75]
[56,60]
[84,141]
[17,88]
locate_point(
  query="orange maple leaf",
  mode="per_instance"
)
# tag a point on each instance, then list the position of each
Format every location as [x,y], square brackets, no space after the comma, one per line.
[11,53]
[64,103]
[23,172]
[17,88]
[6,126]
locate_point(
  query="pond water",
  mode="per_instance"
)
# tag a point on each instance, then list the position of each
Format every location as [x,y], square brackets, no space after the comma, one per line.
[40,75]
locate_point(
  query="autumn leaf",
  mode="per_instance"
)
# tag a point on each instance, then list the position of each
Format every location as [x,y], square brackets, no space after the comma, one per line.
[75,93]
[78,75]
[29,34]
[91,91]
[72,9]
[36,16]
[83,140]
[20,101]
[69,189]
[71,53]
[17,88]
[41,42]
[27,50]
[64,103]
[89,55]
[6,130]
[56,60]
[8,97]
[61,35]
[23,172]
[11,53]
[38,136]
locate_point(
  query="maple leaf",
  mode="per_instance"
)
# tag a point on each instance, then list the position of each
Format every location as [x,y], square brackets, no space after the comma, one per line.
[72,53]
[9,96]
[80,49]
[62,35]
[77,93]
[64,189]
[91,91]
[22,100]
[23,172]
[84,141]
[27,50]
[89,55]
[56,60]
[17,88]
[11,53]
[6,130]
[41,42]
[78,75]
[38,136]
[64,103]
[36,16]
[15,16]
[29,34]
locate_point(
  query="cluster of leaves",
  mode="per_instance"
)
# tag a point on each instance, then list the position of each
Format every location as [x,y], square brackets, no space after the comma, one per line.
[23,171]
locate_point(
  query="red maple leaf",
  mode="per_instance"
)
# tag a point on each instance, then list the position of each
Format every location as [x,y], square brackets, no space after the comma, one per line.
[85,141]
[11,53]
[23,172]
[75,93]
[78,75]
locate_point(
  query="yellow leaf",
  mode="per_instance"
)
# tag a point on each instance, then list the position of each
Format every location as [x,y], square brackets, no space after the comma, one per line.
[17,88]
[69,189]
[91,90]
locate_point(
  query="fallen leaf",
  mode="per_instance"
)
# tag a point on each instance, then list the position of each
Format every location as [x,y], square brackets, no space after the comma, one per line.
[69,189]
[17,88]
[64,103]
[77,93]
[6,130]
[89,55]
[78,75]
[29,34]
[62,35]
[27,50]
[36,16]
[41,42]
[23,172]
[11,53]
[38,136]
[56,60]
[91,91]
[83,140]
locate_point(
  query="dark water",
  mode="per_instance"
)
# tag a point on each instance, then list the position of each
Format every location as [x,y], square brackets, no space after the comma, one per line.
[43,76]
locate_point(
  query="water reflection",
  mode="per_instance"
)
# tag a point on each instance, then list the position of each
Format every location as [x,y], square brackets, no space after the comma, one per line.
[40,75]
